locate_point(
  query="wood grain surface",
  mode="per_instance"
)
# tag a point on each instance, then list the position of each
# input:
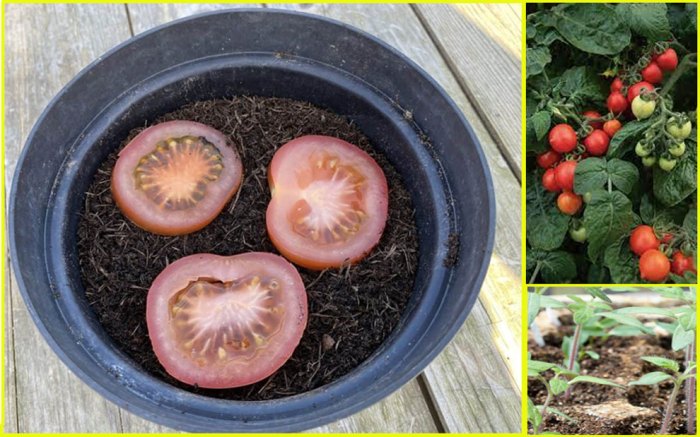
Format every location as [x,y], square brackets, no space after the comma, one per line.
[473,386]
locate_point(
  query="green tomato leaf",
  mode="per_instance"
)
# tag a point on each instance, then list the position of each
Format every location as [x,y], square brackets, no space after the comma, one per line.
[581,84]
[690,224]
[539,366]
[652,378]
[560,414]
[646,19]
[681,338]
[664,363]
[594,355]
[626,320]
[607,217]
[623,174]
[558,386]
[626,138]
[654,213]
[593,380]
[622,262]
[537,58]
[541,121]
[592,28]
[533,414]
[546,225]
[673,187]
[555,267]
[593,173]
[646,310]
[597,292]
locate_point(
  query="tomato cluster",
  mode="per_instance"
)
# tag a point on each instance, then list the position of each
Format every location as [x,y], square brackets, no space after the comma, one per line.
[228,321]
[559,162]
[654,264]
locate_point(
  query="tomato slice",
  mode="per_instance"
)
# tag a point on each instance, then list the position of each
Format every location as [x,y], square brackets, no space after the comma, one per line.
[223,322]
[175,177]
[329,202]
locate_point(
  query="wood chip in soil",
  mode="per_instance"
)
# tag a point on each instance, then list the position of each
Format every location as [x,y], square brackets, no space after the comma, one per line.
[351,310]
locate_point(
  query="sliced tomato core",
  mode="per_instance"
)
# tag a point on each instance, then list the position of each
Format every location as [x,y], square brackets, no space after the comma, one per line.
[219,321]
[330,208]
[176,173]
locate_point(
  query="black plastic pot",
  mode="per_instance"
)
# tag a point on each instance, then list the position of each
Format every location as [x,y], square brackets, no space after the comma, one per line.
[268,53]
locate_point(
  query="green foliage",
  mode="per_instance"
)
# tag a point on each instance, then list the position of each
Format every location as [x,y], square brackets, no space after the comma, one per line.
[573,52]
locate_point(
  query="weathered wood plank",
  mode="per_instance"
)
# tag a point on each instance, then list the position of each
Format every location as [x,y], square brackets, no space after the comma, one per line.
[10,390]
[481,42]
[46,45]
[500,295]
[386,415]
[147,16]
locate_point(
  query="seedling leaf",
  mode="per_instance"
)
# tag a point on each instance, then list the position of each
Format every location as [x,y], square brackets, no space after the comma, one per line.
[645,310]
[533,414]
[681,338]
[533,307]
[594,380]
[558,386]
[549,302]
[664,363]
[651,378]
[597,292]
[539,366]
[560,413]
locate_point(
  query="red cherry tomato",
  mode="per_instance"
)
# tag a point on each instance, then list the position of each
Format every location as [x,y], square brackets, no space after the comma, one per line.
[637,88]
[563,138]
[616,85]
[548,159]
[564,175]
[666,238]
[642,239]
[549,181]
[668,60]
[652,73]
[226,321]
[611,127]
[175,177]
[569,203]
[616,102]
[329,202]
[654,266]
[591,115]
[597,142]
[682,263]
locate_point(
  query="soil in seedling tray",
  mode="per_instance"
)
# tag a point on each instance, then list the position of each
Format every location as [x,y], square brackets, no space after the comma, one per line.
[351,310]
[620,361]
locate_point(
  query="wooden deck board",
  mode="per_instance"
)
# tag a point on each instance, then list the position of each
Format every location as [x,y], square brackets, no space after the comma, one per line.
[482,44]
[48,396]
[489,338]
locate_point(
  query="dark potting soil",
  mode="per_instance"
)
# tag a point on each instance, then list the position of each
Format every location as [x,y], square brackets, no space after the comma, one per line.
[620,361]
[351,310]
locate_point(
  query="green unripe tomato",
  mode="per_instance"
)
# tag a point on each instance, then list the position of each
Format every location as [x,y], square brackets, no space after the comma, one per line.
[642,109]
[642,149]
[578,235]
[678,131]
[677,149]
[587,197]
[667,164]
[648,161]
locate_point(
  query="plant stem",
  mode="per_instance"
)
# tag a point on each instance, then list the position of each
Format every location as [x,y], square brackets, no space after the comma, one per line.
[544,409]
[690,389]
[534,274]
[572,355]
[669,408]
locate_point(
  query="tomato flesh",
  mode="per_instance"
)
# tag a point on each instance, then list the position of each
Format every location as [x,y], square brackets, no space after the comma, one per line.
[175,177]
[222,322]
[329,202]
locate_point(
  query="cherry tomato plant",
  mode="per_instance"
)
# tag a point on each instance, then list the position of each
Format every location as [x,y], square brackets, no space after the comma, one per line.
[611,142]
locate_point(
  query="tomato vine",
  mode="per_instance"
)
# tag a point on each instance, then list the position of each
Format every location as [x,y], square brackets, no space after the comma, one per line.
[636,164]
